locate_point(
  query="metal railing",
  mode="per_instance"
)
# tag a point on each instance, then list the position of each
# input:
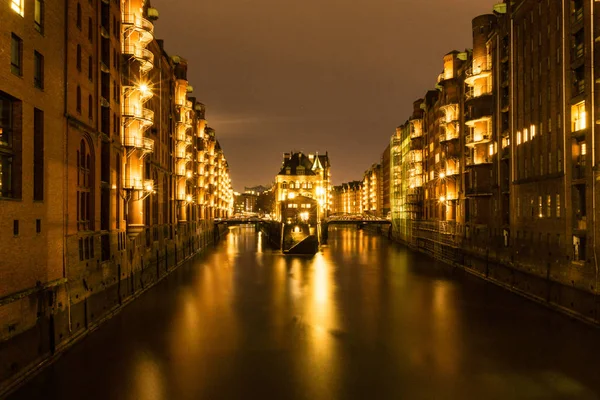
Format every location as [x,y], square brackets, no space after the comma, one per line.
[145,56]
[138,22]
[139,142]
[138,112]
[451,134]
[483,90]
[480,137]
[137,183]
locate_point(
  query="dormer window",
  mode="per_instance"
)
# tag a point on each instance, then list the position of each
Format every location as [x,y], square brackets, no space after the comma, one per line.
[300,170]
[288,170]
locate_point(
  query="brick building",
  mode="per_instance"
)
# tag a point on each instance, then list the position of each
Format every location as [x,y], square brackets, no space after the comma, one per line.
[304,175]
[109,176]
[501,163]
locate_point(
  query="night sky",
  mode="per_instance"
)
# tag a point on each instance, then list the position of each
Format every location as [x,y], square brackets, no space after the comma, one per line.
[311,75]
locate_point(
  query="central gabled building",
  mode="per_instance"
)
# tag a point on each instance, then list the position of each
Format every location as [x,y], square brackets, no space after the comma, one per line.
[304,175]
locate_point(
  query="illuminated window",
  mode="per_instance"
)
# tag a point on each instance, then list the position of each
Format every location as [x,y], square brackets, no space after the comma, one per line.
[583,149]
[491,149]
[558,206]
[532,131]
[525,135]
[548,206]
[38,15]
[540,204]
[578,117]
[18,6]
[518,138]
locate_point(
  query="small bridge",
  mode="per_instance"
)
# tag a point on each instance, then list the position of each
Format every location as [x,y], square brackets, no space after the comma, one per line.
[360,220]
[240,221]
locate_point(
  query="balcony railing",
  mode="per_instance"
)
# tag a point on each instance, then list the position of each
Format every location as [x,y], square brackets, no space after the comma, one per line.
[471,161]
[183,155]
[140,113]
[137,142]
[480,91]
[416,130]
[474,139]
[450,134]
[137,184]
[144,27]
[144,56]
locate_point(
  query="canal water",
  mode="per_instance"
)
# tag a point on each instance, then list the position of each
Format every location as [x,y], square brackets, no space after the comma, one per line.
[362,319]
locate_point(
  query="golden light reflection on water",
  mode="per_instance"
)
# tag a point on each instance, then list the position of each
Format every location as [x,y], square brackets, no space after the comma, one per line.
[148,380]
[321,322]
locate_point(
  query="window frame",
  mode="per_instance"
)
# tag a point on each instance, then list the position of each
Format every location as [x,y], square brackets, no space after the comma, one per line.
[16,68]
[38,68]
[39,9]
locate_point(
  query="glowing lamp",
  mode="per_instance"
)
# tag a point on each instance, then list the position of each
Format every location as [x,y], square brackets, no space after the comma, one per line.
[442,199]
[188,198]
[442,175]
[144,89]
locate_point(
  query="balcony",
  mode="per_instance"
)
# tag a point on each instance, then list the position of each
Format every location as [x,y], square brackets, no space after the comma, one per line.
[416,130]
[474,139]
[184,121]
[475,73]
[452,169]
[478,91]
[183,155]
[415,156]
[144,115]
[144,56]
[138,184]
[472,161]
[450,134]
[142,26]
[139,142]
[473,118]
[183,137]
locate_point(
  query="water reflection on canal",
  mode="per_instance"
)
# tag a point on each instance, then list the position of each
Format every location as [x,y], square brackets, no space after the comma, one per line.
[361,319]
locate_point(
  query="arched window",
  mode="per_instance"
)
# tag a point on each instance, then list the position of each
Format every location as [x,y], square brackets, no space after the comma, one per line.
[90,107]
[292,185]
[84,187]
[284,185]
[79,99]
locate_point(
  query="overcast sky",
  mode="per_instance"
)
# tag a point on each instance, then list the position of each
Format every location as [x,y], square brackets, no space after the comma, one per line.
[311,75]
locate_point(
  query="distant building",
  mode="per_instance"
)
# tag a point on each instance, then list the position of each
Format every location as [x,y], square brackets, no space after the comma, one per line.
[372,191]
[257,190]
[245,202]
[305,175]
[385,181]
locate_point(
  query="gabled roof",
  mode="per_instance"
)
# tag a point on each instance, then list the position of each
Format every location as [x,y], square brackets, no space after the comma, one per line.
[294,161]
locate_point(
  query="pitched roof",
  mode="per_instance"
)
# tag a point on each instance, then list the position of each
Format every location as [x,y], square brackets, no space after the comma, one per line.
[294,161]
